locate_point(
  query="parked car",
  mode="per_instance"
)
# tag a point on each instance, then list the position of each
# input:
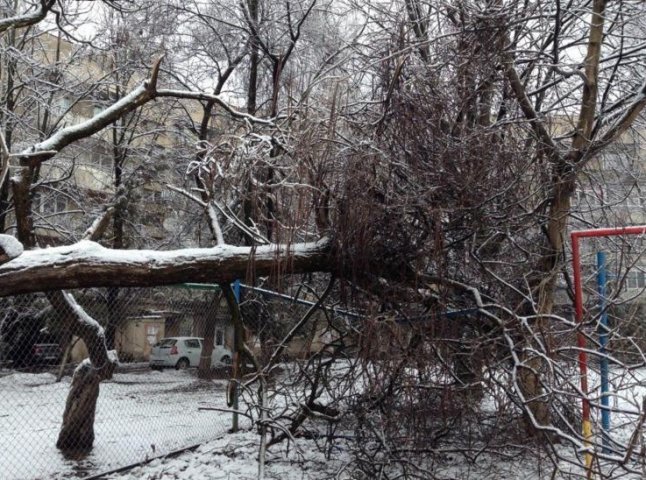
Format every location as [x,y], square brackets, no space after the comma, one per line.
[45,353]
[39,352]
[185,352]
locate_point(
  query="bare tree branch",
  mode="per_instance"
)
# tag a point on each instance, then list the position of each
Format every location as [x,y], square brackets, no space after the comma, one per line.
[27,19]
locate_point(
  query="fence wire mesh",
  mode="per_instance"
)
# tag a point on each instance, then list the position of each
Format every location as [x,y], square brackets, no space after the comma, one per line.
[141,412]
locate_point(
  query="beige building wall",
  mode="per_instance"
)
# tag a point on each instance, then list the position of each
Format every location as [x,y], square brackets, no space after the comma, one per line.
[133,341]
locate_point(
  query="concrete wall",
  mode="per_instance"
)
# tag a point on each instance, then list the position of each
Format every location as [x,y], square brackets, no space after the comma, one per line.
[135,339]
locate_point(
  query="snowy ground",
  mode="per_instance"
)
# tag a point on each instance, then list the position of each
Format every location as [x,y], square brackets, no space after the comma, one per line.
[235,456]
[147,414]
[139,415]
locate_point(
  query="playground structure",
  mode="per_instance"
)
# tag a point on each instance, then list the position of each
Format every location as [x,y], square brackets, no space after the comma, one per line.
[603,330]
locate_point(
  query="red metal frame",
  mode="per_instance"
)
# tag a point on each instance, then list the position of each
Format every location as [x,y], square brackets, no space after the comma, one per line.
[578,312]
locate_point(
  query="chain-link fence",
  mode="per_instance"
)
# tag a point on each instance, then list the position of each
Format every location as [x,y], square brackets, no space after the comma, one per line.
[141,412]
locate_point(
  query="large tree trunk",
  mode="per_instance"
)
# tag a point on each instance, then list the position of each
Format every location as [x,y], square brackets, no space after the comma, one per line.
[563,184]
[89,265]
[543,286]
[254,60]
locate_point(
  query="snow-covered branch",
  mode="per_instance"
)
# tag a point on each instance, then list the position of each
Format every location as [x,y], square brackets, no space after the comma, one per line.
[46,149]
[88,264]
[624,121]
[27,19]
[4,159]
[10,248]
[219,101]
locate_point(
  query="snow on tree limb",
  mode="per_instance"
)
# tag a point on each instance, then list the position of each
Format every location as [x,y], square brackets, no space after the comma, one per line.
[624,121]
[4,159]
[88,264]
[217,99]
[99,225]
[48,148]
[144,93]
[27,19]
[10,248]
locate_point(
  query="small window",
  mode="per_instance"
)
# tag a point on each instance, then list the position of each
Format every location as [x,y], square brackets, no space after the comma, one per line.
[61,106]
[219,337]
[192,343]
[167,342]
[156,196]
[635,280]
[105,162]
[53,205]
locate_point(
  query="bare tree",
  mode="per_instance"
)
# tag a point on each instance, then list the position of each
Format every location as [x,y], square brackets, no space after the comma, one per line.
[429,161]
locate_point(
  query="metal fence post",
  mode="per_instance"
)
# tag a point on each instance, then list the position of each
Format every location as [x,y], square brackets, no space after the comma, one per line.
[237,363]
[603,342]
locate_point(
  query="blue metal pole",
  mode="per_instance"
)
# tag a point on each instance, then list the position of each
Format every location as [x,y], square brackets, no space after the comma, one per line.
[236,366]
[236,290]
[603,342]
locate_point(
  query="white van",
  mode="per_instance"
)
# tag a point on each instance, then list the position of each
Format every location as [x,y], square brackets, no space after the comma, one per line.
[184,352]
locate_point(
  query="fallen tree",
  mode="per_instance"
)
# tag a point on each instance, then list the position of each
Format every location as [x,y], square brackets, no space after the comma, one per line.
[88,264]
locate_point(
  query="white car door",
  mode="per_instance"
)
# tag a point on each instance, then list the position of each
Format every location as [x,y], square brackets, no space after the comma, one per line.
[193,349]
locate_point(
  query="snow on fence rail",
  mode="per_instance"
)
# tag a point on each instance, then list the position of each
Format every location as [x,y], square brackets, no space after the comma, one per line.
[141,412]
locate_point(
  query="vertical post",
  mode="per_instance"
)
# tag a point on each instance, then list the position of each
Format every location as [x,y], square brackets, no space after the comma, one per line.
[237,354]
[236,290]
[583,357]
[603,341]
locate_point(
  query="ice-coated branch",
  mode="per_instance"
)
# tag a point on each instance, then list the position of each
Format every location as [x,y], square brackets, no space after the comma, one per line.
[528,110]
[4,159]
[99,225]
[208,97]
[27,19]
[49,147]
[624,121]
[88,264]
[211,214]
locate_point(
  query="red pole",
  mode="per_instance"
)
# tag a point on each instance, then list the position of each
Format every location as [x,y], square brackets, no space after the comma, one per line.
[583,356]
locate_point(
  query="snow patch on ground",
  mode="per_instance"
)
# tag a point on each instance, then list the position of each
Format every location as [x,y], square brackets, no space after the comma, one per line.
[235,456]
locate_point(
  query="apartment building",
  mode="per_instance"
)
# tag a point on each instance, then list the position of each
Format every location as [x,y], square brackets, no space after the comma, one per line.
[612,193]
[64,84]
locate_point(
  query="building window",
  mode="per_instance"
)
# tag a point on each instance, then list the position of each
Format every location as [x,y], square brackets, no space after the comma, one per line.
[53,205]
[588,198]
[219,337]
[156,196]
[152,333]
[105,162]
[61,106]
[634,280]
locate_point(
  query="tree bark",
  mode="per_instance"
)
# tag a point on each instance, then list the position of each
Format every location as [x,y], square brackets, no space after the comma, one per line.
[204,369]
[254,60]
[87,264]
[77,429]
